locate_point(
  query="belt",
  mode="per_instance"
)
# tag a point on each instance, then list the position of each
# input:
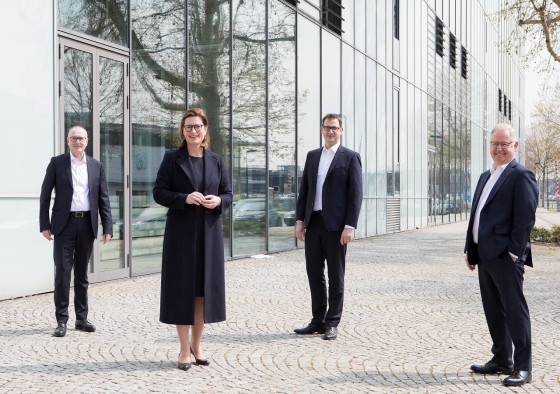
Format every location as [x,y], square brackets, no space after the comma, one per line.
[320,212]
[80,214]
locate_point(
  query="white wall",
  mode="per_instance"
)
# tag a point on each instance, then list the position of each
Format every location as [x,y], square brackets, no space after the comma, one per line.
[27,141]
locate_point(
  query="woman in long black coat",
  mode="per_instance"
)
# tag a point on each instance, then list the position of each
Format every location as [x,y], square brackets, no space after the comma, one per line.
[193,183]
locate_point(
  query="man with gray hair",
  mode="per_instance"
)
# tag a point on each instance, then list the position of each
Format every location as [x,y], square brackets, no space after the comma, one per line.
[81,195]
[503,214]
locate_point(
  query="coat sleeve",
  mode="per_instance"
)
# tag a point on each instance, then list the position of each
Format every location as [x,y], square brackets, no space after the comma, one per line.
[45,197]
[224,189]
[525,200]
[354,191]
[163,192]
[104,204]
[302,192]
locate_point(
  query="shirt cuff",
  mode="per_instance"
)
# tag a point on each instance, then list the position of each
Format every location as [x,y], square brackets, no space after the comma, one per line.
[347,226]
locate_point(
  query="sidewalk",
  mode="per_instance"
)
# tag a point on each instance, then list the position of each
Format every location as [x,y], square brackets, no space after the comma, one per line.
[412,322]
[546,218]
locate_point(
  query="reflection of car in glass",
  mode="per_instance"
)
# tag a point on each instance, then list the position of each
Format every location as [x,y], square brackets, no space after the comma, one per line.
[149,223]
[252,211]
[290,218]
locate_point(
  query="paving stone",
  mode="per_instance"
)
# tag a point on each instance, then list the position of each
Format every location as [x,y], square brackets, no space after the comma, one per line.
[412,322]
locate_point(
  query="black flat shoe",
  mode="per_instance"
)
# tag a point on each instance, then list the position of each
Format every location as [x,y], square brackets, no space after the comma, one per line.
[200,361]
[311,328]
[183,366]
[491,368]
[518,378]
[60,330]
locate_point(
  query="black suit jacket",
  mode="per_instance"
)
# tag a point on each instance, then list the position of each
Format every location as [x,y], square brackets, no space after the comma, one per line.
[342,189]
[507,217]
[59,178]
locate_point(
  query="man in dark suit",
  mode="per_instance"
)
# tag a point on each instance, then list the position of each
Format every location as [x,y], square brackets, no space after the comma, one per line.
[80,196]
[328,206]
[503,214]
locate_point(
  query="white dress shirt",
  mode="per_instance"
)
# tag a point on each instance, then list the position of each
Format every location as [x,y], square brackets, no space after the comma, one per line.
[80,197]
[327,156]
[495,173]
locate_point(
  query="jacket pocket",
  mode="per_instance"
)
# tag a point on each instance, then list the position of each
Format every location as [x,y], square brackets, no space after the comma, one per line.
[502,229]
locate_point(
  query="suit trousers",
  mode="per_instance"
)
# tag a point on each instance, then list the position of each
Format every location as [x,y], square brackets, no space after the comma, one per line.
[72,249]
[321,244]
[506,311]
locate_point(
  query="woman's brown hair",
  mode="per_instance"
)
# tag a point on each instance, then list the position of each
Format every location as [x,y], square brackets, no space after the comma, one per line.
[190,113]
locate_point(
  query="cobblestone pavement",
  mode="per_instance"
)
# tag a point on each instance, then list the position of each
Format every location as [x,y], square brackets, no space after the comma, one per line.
[412,322]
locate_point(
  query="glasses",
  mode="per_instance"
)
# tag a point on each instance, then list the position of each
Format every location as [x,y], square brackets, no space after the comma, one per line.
[191,127]
[77,139]
[504,145]
[330,128]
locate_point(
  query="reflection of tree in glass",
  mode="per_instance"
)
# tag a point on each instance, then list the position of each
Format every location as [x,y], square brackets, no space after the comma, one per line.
[158,44]
[77,82]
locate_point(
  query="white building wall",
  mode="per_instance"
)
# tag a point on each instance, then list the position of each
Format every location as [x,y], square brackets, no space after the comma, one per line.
[27,128]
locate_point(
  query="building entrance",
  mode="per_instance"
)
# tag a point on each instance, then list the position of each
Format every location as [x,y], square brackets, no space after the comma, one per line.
[93,93]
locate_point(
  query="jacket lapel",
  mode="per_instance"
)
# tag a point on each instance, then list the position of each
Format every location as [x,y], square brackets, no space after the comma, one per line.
[340,153]
[68,168]
[186,166]
[315,167]
[501,180]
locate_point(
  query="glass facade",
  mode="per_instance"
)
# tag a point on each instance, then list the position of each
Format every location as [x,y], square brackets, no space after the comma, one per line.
[417,84]
[409,108]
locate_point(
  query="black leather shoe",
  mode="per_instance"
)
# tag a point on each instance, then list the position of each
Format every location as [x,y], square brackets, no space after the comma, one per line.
[518,378]
[311,328]
[491,368]
[84,325]
[330,333]
[200,361]
[60,330]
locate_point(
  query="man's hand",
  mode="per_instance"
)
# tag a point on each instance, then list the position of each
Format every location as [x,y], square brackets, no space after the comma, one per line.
[106,237]
[472,267]
[47,234]
[346,236]
[300,231]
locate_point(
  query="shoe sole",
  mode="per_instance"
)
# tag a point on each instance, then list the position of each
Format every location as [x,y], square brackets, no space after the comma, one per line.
[84,330]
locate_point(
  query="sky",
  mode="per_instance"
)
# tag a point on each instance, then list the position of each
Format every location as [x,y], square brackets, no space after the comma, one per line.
[533,86]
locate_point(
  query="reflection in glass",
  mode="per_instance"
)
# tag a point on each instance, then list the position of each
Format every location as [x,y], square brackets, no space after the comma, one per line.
[281,120]
[368,160]
[331,73]
[106,20]
[249,122]
[208,78]
[111,122]
[158,94]
[309,98]
[78,92]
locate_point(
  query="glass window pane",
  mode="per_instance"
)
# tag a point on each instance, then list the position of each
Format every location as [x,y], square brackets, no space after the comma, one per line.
[282,118]
[348,95]
[107,20]
[331,73]
[158,100]
[249,127]
[78,92]
[208,79]
[111,124]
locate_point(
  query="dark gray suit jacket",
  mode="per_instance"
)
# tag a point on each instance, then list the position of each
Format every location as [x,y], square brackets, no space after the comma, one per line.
[507,217]
[342,189]
[59,178]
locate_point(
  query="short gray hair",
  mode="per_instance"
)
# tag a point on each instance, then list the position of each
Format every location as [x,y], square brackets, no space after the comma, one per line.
[505,126]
